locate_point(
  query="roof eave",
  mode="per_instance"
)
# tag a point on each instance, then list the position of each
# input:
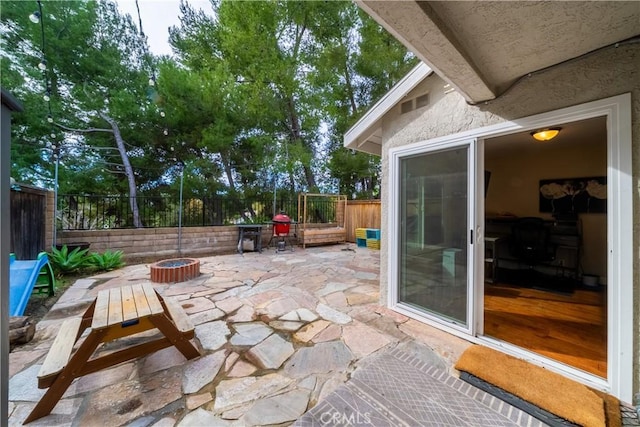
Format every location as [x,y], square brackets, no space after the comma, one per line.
[364,135]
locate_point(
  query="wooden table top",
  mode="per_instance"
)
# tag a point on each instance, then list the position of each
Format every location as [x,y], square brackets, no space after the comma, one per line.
[129,303]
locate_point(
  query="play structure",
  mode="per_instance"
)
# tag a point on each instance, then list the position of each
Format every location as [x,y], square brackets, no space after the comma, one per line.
[24,279]
[321,218]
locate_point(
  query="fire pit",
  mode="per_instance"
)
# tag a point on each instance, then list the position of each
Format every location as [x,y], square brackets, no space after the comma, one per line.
[175,270]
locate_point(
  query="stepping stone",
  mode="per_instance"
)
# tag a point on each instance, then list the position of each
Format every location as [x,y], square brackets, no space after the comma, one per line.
[250,333]
[202,371]
[286,325]
[229,305]
[271,353]
[197,400]
[207,316]
[200,417]
[363,340]
[332,315]
[321,358]
[197,305]
[332,332]
[244,314]
[242,369]
[331,288]
[311,330]
[302,314]
[212,335]
[277,409]
[236,392]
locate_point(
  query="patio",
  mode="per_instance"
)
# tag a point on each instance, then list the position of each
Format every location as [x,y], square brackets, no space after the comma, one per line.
[284,337]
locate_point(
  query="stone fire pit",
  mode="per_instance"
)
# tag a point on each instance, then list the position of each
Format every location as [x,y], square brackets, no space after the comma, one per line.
[175,270]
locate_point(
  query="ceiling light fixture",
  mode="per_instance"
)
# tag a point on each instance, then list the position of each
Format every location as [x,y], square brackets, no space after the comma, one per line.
[545,134]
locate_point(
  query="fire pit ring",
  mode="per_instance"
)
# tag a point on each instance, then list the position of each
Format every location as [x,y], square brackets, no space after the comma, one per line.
[175,270]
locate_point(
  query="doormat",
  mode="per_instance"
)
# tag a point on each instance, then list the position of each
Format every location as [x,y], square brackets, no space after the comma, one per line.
[541,390]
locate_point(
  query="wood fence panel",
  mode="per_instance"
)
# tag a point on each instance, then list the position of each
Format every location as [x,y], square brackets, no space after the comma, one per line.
[362,214]
[28,206]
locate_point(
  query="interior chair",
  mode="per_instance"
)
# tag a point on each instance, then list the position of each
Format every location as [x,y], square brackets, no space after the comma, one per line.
[530,242]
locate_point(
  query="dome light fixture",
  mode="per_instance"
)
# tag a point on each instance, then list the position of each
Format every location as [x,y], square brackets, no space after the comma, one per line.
[35,17]
[546,134]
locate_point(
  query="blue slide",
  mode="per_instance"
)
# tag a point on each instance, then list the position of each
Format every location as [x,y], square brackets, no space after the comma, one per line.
[23,276]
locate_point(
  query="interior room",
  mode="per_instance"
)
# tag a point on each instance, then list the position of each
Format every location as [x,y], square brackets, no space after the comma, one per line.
[546,243]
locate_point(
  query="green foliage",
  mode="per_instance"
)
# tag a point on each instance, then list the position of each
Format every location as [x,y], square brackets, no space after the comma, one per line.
[257,94]
[106,261]
[65,262]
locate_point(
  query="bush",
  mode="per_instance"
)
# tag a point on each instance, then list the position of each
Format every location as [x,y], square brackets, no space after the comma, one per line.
[65,262]
[107,261]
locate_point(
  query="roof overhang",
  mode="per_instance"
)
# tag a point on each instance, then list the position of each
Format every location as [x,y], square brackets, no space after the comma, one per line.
[482,47]
[366,134]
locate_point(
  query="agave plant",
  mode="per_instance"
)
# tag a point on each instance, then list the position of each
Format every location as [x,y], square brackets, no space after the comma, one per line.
[65,262]
[106,261]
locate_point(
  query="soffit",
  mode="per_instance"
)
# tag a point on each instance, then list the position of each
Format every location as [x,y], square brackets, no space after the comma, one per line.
[482,47]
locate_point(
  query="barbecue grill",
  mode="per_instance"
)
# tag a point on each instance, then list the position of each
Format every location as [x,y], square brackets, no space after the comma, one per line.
[281,228]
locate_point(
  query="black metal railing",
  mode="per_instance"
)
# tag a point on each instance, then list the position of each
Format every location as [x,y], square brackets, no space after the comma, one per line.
[78,212]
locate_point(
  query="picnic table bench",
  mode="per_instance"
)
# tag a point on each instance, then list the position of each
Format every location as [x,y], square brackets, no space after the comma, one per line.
[115,313]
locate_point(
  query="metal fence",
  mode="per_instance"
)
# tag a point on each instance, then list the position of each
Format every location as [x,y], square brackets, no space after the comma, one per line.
[78,212]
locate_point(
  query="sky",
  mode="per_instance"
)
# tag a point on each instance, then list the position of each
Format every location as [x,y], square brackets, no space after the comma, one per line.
[157,16]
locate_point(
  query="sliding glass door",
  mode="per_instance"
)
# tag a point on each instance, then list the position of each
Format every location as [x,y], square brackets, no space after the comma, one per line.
[434,239]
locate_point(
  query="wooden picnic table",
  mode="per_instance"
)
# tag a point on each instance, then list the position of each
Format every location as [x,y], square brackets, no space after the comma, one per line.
[115,313]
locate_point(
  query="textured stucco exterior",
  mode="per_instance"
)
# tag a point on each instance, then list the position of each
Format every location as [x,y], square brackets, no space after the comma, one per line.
[607,73]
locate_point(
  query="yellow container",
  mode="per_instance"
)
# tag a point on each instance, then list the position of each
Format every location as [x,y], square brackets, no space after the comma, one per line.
[373,243]
[361,233]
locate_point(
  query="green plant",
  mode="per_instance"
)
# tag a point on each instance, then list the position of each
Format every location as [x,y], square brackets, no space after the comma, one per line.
[65,262]
[106,261]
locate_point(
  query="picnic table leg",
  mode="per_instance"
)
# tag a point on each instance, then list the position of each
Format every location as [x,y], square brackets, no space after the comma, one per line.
[66,377]
[169,330]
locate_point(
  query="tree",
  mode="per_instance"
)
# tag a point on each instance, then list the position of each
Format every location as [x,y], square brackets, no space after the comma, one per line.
[97,79]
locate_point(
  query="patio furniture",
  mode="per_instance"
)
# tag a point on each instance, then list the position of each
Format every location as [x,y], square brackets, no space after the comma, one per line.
[115,313]
[322,218]
[251,231]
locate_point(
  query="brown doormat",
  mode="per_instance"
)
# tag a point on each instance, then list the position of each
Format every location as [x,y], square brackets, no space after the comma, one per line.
[552,392]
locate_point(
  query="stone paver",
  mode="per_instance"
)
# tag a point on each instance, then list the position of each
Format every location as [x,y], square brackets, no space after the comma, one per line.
[235,392]
[213,335]
[271,353]
[202,371]
[277,409]
[280,334]
[323,357]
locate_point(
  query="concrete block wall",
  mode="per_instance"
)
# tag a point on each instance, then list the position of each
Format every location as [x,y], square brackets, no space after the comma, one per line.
[150,244]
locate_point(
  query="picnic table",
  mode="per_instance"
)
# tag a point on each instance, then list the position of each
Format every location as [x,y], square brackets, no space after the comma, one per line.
[114,314]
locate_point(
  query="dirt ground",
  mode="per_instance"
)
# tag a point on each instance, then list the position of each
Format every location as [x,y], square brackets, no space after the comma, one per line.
[40,304]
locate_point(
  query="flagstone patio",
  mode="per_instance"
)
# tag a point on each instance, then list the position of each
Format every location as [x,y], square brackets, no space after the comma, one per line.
[279,334]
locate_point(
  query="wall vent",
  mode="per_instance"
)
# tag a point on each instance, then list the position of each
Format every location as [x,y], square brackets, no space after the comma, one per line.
[414,103]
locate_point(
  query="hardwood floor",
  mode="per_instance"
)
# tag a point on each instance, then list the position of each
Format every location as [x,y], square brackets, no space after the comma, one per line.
[569,328]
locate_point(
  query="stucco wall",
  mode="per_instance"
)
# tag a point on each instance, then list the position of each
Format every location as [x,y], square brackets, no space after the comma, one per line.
[607,73]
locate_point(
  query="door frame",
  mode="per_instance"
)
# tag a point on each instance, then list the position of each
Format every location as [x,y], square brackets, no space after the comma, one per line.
[394,241]
[620,280]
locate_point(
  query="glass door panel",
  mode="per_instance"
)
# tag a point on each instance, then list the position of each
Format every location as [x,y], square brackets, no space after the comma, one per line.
[434,230]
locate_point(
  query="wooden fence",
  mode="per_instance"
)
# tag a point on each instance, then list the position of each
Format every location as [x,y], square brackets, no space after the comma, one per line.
[28,215]
[361,214]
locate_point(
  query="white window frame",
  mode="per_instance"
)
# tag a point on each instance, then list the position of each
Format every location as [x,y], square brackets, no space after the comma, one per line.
[620,279]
